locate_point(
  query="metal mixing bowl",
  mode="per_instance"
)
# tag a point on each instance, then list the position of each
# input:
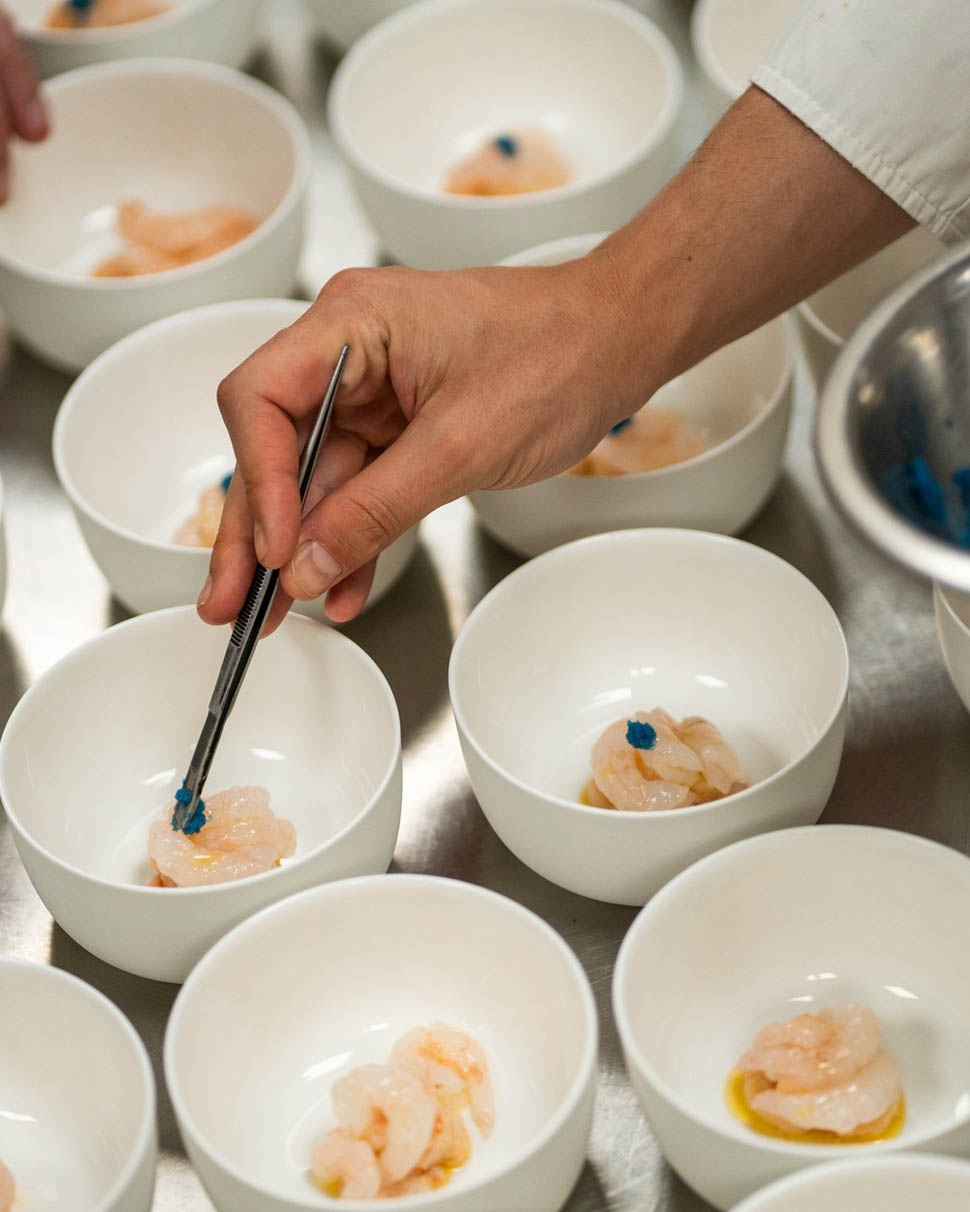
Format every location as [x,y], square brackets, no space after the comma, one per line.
[893,432]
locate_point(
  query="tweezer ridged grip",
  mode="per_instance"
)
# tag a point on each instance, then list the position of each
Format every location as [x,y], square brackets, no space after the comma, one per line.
[249,606]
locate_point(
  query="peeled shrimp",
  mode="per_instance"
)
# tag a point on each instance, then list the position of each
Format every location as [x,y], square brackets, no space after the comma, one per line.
[345,1167]
[105,12]
[651,439]
[823,1072]
[510,164]
[8,1190]
[156,241]
[453,1065]
[201,529]
[241,837]
[392,1111]
[721,770]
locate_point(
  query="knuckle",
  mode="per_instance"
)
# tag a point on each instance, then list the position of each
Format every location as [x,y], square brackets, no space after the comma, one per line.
[366,518]
[226,394]
[347,283]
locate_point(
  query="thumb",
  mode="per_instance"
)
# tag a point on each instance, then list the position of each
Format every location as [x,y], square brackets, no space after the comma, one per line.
[362,517]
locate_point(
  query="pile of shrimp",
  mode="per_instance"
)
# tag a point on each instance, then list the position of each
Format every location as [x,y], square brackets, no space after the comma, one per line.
[649,762]
[201,528]
[240,837]
[653,438]
[520,163]
[823,1072]
[103,12]
[8,1189]
[401,1128]
[156,241]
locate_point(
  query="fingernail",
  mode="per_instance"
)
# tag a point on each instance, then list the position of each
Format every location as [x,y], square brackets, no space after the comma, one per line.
[314,568]
[259,542]
[206,592]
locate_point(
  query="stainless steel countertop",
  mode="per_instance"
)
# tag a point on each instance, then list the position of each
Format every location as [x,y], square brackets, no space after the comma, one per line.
[907,756]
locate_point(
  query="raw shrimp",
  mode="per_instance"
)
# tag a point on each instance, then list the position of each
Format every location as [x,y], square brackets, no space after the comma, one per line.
[8,1189]
[241,837]
[201,529]
[453,1065]
[104,12]
[721,770]
[345,1167]
[157,241]
[510,164]
[651,439]
[390,1109]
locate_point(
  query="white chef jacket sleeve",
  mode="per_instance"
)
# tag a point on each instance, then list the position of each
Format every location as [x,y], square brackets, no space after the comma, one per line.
[887,84]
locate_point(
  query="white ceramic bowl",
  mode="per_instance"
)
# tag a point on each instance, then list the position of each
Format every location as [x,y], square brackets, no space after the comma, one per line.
[882,1184]
[742,394]
[952,610]
[176,134]
[139,436]
[95,750]
[77,1129]
[342,23]
[596,75]
[730,38]
[343,972]
[796,921]
[222,31]
[696,623]
[829,317]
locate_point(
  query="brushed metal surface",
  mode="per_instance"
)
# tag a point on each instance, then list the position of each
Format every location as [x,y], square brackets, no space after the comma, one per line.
[907,758]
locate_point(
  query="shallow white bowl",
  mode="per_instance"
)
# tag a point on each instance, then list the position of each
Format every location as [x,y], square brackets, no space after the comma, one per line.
[829,317]
[596,75]
[952,610]
[176,134]
[139,436]
[77,1128]
[94,752]
[775,926]
[730,38]
[696,623]
[342,23]
[343,971]
[742,394]
[880,1184]
[222,31]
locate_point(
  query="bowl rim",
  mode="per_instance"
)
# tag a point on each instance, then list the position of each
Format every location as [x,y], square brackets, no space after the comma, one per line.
[702,45]
[641,820]
[215,73]
[405,882]
[285,308]
[149,621]
[108,34]
[847,486]
[941,594]
[634,1056]
[615,10]
[810,1177]
[146,1141]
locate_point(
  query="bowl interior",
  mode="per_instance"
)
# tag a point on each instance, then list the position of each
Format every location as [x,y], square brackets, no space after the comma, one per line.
[737,34]
[157,392]
[885,1184]
[958,605]
[31,16]
[73,1117]
[173,137]
[695,623]
[95,751]
[794,922]
[388,954]
[600,88]
[838,309]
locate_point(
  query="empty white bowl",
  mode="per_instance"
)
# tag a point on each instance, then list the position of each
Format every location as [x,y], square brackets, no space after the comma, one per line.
[94,752]
[775,926]
[730,38]
[595,75]
[176,134]
[330,980]
[222,31]
[829,317]
[742,394]
[77,1127]
[341,24]
[696,623]
[139,436]
[952,610]
[879,1184]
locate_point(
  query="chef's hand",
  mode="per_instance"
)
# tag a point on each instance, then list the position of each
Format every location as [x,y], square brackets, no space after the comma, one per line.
[22,112]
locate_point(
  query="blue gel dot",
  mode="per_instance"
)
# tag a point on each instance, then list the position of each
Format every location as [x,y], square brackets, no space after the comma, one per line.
[183,795]
[225,482]
[926,488]
[506,145]
[81,5]
[640,735]
[196,820]
[620,426]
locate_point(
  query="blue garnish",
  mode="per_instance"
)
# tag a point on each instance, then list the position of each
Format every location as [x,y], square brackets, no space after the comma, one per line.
[81,5]
[196,820]
[226,481]
[926,489]
[620,426]
[640,735]
[507,145]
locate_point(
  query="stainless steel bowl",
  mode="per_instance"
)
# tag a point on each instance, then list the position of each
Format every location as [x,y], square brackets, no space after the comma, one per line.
[893,432]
